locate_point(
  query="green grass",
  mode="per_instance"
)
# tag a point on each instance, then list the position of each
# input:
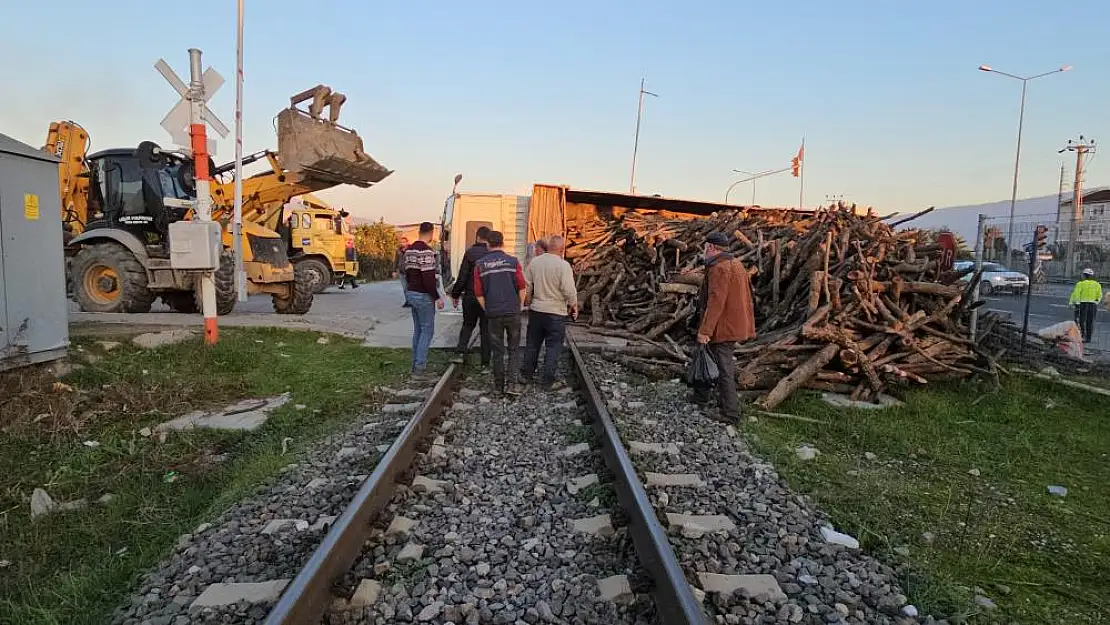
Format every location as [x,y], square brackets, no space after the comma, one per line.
[73,568]
[1040,558]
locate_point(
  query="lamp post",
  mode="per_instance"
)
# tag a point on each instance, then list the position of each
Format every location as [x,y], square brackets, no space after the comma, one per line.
[636,143]
[747,173]
[752,179]
[1021,120]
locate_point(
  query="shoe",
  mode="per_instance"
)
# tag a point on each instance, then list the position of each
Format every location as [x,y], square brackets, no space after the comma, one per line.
[458,360]
[696,400]
[513,390]
[720,418]
[355,285]
[341,287]
[406,305]
[525,378]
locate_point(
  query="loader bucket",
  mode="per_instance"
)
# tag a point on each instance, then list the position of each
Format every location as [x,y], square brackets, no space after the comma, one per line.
[324,150]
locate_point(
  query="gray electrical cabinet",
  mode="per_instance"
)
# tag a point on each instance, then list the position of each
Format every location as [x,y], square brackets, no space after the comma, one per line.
[33,310]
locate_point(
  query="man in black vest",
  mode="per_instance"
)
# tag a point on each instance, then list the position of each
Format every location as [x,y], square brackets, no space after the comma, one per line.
[500,288]
[473,315]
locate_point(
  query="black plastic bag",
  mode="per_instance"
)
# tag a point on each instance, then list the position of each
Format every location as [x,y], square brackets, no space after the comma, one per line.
[702,370]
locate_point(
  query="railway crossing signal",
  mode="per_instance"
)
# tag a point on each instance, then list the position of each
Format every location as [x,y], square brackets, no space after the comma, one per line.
[176,122]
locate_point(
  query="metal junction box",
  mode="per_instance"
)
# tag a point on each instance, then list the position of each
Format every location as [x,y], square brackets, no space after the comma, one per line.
[195,245]
[34,323]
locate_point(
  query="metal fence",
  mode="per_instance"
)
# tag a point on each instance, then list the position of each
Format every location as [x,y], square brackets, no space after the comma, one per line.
[1059,260]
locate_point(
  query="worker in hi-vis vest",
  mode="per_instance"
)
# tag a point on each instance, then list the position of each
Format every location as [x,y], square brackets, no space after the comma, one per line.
[1085,297]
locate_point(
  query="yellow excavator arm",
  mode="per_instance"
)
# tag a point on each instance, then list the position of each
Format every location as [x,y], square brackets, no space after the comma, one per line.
[263,194]
[69,142]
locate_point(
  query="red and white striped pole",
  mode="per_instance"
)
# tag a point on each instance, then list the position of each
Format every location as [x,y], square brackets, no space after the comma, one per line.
[198,141]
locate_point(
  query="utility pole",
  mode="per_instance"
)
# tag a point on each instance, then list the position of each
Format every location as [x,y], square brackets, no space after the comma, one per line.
[237,216]
[802,176]
[1059,207]
[636,143]
[1082,147]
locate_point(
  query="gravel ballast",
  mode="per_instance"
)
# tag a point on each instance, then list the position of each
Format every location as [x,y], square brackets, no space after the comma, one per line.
[498,536]
[775,533]
[266,538]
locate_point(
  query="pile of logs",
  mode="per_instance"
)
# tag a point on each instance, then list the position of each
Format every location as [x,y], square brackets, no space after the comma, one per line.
[843,301]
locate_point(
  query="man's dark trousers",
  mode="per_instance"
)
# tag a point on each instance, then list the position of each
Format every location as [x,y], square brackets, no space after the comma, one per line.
[550,331]
[474,316]
[727,400]
[505,332]
[1087,311]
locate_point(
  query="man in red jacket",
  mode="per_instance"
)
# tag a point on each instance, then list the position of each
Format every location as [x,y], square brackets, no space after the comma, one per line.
[728,317]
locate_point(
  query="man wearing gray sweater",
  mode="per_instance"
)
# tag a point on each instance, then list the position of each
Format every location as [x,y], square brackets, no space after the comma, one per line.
[553,298]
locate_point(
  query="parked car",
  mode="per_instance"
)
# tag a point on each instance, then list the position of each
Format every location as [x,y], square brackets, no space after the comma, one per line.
[996,278]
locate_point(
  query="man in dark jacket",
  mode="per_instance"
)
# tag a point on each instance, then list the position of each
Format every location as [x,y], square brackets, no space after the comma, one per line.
[728,317]
[500,288]
[473,315]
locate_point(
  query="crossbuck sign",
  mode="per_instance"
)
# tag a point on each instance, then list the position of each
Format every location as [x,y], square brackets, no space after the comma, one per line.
[176,121]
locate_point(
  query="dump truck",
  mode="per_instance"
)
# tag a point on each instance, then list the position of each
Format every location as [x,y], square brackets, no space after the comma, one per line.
[320,238]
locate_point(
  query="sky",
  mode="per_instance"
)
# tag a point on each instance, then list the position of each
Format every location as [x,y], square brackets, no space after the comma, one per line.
[887,94]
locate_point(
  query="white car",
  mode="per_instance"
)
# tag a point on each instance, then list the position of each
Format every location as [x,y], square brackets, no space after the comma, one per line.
[996,278]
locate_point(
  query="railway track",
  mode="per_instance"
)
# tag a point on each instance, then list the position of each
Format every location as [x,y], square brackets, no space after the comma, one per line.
[560,525]
[549,508]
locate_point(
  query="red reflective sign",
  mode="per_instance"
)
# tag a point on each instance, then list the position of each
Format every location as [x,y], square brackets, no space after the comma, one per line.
[947,244]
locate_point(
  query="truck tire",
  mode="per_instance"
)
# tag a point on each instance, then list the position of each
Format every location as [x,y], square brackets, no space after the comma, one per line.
[318,273]
[300,297]
[226,296]
[181,302]
[108,278]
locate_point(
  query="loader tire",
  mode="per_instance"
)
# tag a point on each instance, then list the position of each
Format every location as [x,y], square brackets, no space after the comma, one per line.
[226,296]
[318,273]
[299,300]
[181,302]
[108,278]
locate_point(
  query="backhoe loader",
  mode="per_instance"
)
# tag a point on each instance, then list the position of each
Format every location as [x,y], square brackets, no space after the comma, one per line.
[117,205]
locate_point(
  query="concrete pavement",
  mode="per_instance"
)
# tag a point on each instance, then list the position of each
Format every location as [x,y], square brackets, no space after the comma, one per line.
[372,313]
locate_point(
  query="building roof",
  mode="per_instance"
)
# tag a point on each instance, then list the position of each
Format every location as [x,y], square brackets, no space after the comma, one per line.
[9,145]
[1094,196]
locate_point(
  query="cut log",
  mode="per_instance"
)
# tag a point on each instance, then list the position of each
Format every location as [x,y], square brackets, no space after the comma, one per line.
[677,287]
[798,377]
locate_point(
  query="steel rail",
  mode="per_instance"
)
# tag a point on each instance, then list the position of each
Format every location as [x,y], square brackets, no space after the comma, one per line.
[309,595]
[674,599]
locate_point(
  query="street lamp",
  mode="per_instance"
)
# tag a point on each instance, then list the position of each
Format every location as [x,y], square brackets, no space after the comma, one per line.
[636,144]
[746,173]
[752,179]
[1021,119]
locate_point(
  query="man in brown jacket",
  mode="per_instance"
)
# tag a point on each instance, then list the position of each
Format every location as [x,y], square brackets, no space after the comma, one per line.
[727,317]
